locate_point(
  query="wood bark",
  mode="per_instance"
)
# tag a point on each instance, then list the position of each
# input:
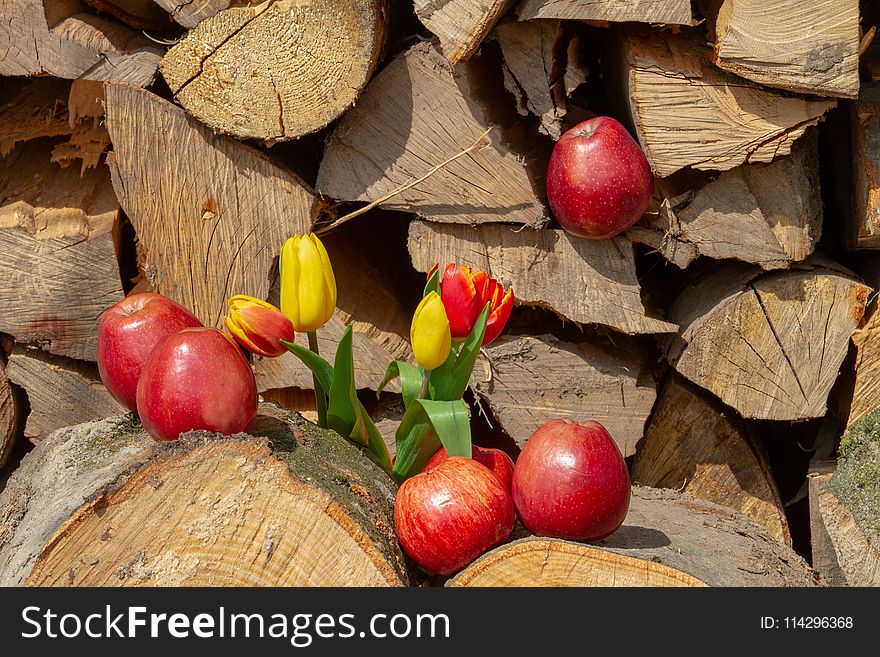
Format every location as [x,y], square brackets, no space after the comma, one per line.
[766,214]
[806,47]
[824,558]
[460,25]
[56,38]
[206,230]
[728,121]
[61,391]
[675,12]
[11,415]
[866,390]
[865,130]
[418,112]
[769,345]
[58,234]
[275,71]
[527,381]
[189,13]
[695,445]
[290,505]
[667,539]
[585,281]
[538,71]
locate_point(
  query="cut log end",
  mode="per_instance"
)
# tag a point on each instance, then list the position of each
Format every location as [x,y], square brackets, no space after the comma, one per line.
[667,539]
[277,70]
[460,25]
[294,506]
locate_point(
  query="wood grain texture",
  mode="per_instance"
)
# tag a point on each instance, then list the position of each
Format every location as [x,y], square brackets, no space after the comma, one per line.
[11,415]
[55,38]
[295,506]
[416,113]
[277,70]
[865,131]
[61,391]
[729,121]
[57,234]
[536,70]
[766,214]
[585,281]
[770,345]
[695,445]
[866,387]
[667,539]
[190,13]
[139,14]
[806,47]
[857,555]
[460,25]
[528,381]
[824,558]
[210,213]
[674,12]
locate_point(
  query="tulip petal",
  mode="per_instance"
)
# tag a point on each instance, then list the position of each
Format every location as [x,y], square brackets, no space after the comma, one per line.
[430,335]
[290,281]
[461,299]
[498,316]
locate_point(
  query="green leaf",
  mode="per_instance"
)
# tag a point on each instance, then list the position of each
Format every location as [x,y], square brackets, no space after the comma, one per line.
[341,414]
[410,380]
[433,284]
[368,434]
[451,379]
[319,367]
[426,425]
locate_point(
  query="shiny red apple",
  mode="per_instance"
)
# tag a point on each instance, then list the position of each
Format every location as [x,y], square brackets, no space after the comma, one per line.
[570,481]
[451,514]
[598,180]
[128,331]
[196,379]
[497,461]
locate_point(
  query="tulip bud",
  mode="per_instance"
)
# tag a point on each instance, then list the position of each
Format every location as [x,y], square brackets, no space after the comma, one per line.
[258,326]
[466,292]
[430,337]
[308,287]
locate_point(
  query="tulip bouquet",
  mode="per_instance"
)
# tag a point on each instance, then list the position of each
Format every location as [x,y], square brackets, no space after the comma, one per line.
[460,312]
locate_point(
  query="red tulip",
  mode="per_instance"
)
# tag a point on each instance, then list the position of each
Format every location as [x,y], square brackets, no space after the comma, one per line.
[258,326]
[465,292]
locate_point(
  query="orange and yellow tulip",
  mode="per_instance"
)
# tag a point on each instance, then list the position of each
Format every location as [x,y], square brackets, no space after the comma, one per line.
[258,326]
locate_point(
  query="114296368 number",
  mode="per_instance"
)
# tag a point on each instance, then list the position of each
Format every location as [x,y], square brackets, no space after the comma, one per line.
[817,622]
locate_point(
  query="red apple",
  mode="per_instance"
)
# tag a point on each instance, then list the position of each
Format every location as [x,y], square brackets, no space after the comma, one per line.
[196,379]
[497,461]
[570,481]
[598,180]
[128,331]
[448,516]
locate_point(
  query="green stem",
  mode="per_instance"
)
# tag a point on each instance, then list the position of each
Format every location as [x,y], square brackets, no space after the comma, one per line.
[423,393]
[320,393]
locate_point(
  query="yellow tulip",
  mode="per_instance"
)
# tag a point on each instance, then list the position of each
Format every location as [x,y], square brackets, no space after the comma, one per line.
[430,335]
[308,287]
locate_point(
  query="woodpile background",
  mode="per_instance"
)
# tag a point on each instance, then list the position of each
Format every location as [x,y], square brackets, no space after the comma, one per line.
[726,341]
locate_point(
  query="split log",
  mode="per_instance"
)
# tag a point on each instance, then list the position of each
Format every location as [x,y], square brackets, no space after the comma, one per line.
[824,558]
[865,126]
[769,345]
[667,539]
[205,231]
[189,13]
[528,381]
[55,38]
[537,70]
[585,281]
[11,415]
[89,139]
[415,114]
[61,391]
[139,14]
[806,47]
[766,214]
[58,234]
[689,113]
[866,388]
[290,505]
[277,70]
[695,445]
[673,12]
[460,25]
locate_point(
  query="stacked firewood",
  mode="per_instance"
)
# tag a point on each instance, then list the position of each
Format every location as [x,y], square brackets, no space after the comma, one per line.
[172,146]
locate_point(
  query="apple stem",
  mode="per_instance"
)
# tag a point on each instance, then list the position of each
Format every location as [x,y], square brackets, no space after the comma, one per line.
[320,393]
[423,393]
